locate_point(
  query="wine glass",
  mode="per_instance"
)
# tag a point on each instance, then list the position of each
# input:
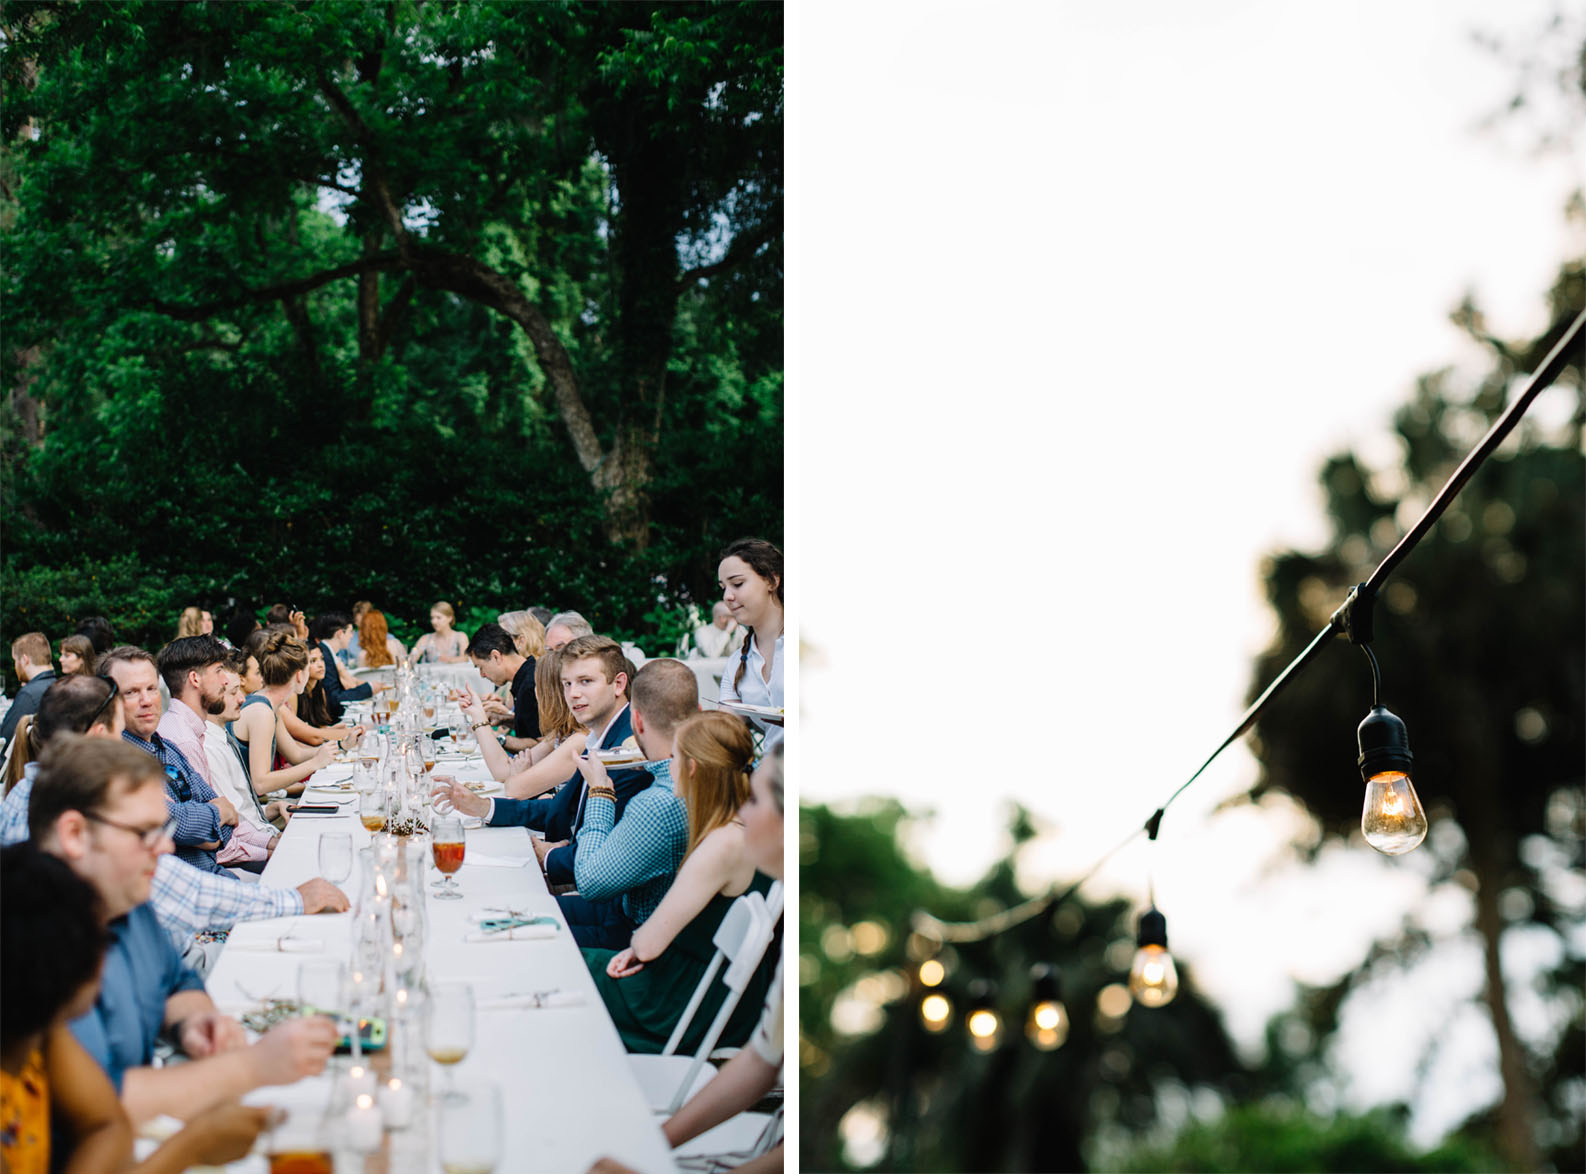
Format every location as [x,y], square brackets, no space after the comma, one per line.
[449,1029]
[448,845]
[470,1130]
[372,809]
[301,1142]
[335,857]
[427,750]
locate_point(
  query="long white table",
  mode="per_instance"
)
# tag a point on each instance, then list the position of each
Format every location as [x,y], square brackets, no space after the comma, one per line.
[568,1093]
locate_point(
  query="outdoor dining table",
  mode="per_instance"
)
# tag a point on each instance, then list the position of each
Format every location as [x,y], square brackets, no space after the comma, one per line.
[568,1093]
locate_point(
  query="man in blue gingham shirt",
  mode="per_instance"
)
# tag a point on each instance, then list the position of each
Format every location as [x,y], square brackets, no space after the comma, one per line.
[203,820]
[623,867]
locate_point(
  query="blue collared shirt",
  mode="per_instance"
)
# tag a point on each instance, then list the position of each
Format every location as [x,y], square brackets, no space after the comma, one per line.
[635,857]
[142,970]
[187,798]
[14,811]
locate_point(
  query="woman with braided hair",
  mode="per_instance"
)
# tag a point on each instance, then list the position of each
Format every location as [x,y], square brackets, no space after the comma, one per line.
[751,586]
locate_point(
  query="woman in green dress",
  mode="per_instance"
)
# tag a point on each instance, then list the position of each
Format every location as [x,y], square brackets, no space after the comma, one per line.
[647,986]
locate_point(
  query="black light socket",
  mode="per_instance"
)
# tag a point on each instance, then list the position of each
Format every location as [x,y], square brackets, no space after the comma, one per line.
[981,995]
[1047,989]
[1384,744]
[1153,929]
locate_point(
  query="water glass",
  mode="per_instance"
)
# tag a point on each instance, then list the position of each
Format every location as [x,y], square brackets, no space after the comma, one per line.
[470,1130]
[335,857]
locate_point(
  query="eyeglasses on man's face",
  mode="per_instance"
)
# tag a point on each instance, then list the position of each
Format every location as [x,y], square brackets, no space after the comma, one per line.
[150,837]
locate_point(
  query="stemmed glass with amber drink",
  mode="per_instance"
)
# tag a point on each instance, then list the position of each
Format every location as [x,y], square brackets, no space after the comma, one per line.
[372,809]
[449,1028]
[447,845]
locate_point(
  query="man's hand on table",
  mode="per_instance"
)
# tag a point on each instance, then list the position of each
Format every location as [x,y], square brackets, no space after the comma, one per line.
[611,1166]
[497,710]
[292,1050]
[543,848]
[460,797]
[209,1033]
[320,896]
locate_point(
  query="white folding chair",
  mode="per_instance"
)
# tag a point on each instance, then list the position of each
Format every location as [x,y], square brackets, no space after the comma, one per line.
[732,1143]
[668,1080]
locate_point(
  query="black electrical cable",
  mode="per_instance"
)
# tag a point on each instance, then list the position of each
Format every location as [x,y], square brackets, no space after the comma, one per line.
[1352,619]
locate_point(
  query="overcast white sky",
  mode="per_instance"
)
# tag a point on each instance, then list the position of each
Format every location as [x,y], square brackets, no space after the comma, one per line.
[1081,295]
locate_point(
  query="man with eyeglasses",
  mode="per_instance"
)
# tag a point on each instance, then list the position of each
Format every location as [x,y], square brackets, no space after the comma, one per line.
[100,806]
[203,819]
[186,899]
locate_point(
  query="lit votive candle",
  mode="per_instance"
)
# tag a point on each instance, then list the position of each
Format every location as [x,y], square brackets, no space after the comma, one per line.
[396,1104]
[363,1125]
[360,1081]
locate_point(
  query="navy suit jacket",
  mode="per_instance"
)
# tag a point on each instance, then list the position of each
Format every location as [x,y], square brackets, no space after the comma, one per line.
[335,695]
[558,815]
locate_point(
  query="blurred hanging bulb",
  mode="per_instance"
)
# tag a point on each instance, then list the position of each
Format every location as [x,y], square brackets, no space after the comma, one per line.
[1047,1026]
[935,1012]
[1153,979]
[1391,818]
[985,1025]
[932,972]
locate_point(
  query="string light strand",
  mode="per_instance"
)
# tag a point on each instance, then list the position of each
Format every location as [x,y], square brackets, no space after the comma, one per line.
[1352,619]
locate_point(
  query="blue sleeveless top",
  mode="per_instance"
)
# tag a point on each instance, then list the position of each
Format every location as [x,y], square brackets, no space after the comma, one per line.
[261,699]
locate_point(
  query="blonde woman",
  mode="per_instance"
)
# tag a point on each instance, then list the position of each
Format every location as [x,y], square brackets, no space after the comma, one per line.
[191,623]
[647,986]
[445,644]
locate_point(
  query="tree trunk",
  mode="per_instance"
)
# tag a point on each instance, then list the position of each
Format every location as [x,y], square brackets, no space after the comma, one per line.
[1516,1116]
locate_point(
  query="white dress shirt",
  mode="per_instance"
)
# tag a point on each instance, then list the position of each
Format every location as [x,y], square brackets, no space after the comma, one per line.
[753,688]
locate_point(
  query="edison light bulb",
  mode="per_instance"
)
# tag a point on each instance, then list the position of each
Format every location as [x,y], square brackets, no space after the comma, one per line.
[932,972]
[1047,1026]
[1153,979]
[985,1029]
[1392,818]
[935,1012]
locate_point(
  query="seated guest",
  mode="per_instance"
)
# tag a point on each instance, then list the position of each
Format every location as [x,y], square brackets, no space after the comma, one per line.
[99,633]
[77,656]
[240,627]
[310,724]
[44,1071]
[99,806]
[623,867]
[647,986]
[528,634]
[497,658]
[283,666]
[194,670]
[203,819]
[191,622]
[228,765]
[349,655]
[30,652]
[746,1078]
[445,644]
[377,648]
[565,627]
[551,761]
[751,584]
[595,684]
[715,639]
[185,899]
[331,632]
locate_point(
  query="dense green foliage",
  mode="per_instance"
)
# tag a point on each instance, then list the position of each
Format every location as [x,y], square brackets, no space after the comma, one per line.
[1268,1139]
[401,301]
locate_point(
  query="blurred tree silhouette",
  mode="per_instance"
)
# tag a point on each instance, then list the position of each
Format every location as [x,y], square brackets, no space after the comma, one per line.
[933,1102]
[1480,633]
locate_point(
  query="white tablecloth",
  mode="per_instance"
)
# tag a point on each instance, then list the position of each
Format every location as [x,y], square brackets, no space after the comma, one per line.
[568,1093]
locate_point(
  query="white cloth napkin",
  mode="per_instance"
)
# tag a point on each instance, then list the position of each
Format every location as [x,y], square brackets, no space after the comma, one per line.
[487,861]
[519,1002]
[522,933]
[278,945]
